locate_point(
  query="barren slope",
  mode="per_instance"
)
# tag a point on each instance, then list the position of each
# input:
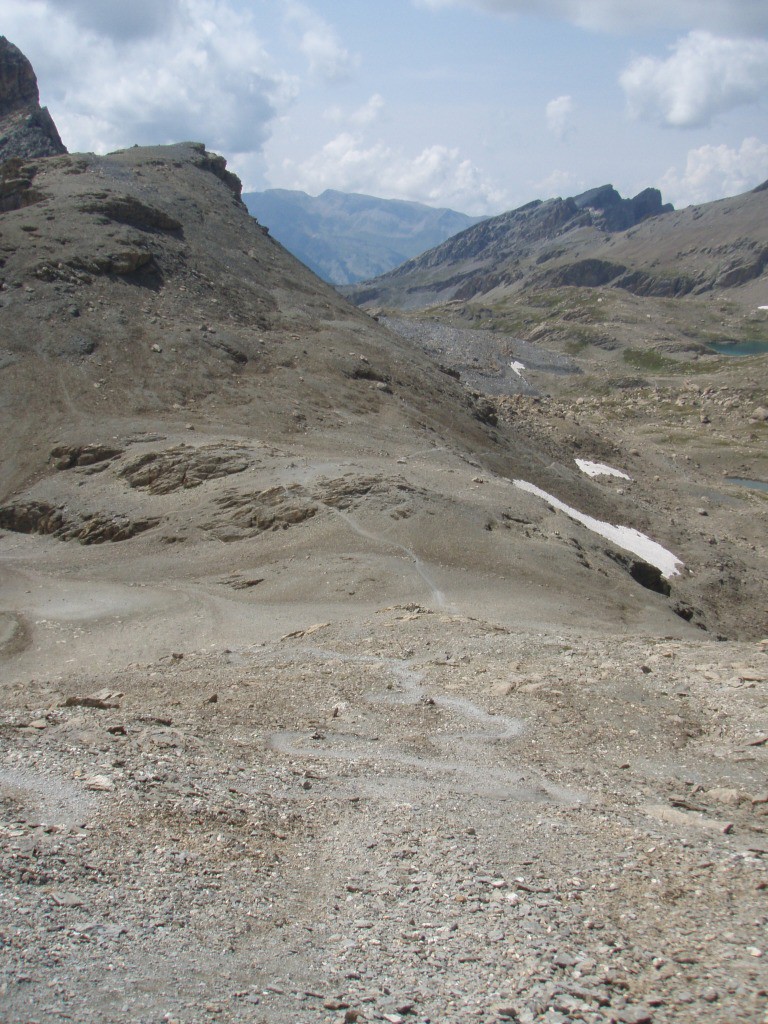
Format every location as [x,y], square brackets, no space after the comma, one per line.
[311,714]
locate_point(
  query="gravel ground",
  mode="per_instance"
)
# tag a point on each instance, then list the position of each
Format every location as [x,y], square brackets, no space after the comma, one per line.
[422,817]
[484,358]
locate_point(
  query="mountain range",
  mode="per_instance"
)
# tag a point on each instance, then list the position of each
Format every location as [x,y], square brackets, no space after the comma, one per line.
[592,269]
[346,237]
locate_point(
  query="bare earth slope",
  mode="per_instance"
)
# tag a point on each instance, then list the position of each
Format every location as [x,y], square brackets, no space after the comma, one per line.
[309,713]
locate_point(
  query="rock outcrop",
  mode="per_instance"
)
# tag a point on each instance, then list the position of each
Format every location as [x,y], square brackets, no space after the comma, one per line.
[27,130]
[611,212]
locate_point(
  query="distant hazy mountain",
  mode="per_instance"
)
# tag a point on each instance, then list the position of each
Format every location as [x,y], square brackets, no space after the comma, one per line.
[345,237]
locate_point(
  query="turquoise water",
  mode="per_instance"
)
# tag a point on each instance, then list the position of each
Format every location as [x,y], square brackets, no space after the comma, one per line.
[740,348]
[755,485]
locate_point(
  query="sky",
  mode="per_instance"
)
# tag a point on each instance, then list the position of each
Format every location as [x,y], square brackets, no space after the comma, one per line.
[477,105]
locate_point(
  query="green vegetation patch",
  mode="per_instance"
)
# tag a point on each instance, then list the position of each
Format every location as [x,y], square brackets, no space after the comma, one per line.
[647,359]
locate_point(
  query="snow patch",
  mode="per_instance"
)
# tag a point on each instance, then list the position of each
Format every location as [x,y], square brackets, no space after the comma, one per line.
[600,469]
[517,367]
[622,536]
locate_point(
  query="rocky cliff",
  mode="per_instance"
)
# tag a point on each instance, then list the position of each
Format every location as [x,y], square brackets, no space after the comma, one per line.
[26,129]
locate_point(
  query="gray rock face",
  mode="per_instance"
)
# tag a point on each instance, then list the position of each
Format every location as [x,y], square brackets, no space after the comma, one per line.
[26,129]
[502,251]
[611,212]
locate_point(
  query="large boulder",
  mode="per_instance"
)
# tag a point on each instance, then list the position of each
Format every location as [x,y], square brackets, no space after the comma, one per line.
[26,129]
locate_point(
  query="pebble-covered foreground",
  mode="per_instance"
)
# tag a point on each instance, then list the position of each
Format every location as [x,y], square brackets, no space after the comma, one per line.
[420,818]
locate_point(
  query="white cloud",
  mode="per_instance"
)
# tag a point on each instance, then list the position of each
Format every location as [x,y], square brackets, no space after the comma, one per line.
[558,183]
[362,117]
[558,113]
[326,56]
[202,74]
[704,76]
[736,16]
[712,172]
[369,112]
[437,175]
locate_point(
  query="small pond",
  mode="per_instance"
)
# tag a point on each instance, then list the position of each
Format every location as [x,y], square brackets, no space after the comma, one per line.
[755,485]
[739,348]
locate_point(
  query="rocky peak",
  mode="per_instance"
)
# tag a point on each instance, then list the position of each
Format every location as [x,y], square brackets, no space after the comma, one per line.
[26,129]
[614,213]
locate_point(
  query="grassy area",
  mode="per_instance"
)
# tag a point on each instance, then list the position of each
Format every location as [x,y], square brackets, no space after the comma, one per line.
[648,360]
[574,346]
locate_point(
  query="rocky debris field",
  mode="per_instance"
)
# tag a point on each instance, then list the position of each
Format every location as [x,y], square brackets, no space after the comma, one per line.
[419,816]
[482,358]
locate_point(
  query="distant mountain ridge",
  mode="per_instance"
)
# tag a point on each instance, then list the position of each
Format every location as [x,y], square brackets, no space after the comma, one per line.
[347,237]
[513,248]
[570,272]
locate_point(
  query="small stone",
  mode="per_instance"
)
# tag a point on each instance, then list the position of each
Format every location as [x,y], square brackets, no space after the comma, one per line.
[66,899]
[39,723]
[564,960]
[754,951]
[100,783]
[722,795]
[710,995]
[502,689]
[635,1015]
[156,348]
[104,700]
[505,1011]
